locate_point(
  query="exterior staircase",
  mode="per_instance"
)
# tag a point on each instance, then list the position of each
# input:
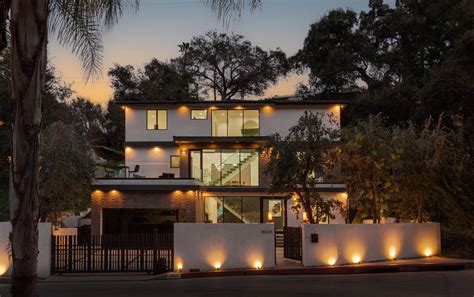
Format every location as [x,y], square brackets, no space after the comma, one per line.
[279,240]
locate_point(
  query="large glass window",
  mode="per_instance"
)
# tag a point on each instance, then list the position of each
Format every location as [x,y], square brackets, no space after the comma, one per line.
[231,209]
[235,122]
[156,119]
[196,171]
[225,167]
[211,167]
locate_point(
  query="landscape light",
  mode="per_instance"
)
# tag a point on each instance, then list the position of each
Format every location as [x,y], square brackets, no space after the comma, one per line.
[217,266]
[180,267]
[392,253]
[258,265]
[331,261]
[356,259]
[428,252]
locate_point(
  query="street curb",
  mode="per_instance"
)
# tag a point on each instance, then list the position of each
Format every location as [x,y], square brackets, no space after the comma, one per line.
[335,270]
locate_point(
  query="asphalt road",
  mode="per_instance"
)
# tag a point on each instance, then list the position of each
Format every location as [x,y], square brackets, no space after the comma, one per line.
[432,284]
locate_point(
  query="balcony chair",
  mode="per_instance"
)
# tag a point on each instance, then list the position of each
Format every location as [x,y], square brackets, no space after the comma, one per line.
[134,171]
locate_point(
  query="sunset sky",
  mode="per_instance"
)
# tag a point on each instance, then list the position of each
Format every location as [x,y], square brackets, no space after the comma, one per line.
[159,26]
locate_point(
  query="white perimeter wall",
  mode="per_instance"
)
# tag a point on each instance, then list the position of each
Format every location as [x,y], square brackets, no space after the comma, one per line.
[377,242]
[202,246]
[44,246]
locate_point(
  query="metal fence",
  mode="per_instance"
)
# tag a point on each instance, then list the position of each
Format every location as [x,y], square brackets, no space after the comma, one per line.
[149,252]
[292,243]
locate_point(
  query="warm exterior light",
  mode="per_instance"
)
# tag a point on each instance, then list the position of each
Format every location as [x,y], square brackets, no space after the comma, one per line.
[356,259]
[428,252]
[217,266]
[2,123]
[3,269]
[305,218]
[331,261]
[392,253]
[258,265]
[124,107]
[183,151]
[128,149]
[156,148]
[270,217]
[180,267]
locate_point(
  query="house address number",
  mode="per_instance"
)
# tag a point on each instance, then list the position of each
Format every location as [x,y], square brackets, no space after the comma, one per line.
[267,231]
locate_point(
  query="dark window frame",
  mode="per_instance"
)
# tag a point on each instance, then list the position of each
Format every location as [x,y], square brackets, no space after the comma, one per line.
[156,116]
[227,120]
[171,161]
[220,156]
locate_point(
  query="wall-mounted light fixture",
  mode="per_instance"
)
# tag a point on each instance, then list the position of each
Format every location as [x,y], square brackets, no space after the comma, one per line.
[270,217]
[305,218]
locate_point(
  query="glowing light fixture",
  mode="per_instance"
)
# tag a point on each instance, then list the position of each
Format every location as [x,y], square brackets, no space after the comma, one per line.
[270,217]
[156,148]
[332,261]
[180,267]
[428,252]
[258,265]
[128,149]
[356,259]
[305,218]
[392,253]
[217,266]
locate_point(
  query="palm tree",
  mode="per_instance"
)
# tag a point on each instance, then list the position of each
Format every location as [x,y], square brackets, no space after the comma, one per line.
[77,24]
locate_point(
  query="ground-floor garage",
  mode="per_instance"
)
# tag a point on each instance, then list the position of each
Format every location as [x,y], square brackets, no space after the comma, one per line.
[138,211]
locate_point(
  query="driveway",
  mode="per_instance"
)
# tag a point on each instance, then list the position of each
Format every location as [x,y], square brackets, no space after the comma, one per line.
[432,284]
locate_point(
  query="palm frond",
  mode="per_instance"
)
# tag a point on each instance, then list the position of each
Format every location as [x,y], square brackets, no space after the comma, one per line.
[228,10]
[78,24]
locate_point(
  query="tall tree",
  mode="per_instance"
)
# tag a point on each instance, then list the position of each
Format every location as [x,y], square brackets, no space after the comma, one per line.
[67,170]
[157,81]
[368,160]
[77,24]
[297,162]
[230,66]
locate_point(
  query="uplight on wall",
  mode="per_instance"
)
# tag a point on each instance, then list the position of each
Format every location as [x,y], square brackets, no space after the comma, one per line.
[258,265]
[392,253]
[180,267]
[331,261]
[428,252]
[217,266]
[356,259]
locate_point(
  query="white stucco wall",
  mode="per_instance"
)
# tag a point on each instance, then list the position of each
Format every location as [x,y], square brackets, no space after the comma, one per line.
[44,246]
[272,119]
[153,161]
[202,246]
[377,242]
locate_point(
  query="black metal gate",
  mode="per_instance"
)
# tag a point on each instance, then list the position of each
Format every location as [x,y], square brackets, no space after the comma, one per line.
[292,243]
[148,252]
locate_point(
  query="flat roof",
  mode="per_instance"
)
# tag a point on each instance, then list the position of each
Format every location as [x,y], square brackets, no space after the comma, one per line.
[287,102]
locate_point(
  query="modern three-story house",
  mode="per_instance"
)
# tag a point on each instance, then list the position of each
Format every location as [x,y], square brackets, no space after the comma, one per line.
[197,162]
